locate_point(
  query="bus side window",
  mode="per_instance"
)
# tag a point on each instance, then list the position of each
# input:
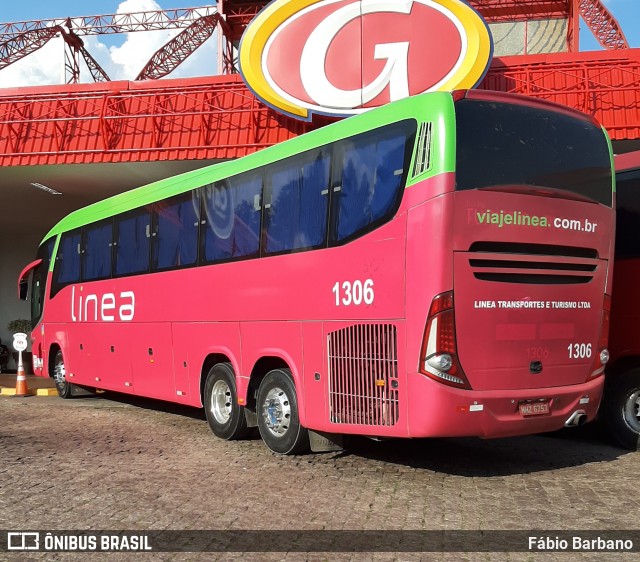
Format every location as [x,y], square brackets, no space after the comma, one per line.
[297,201]
[369,189]
[96,258]
[133,243]
[67,267]
[232,211]
[175,242]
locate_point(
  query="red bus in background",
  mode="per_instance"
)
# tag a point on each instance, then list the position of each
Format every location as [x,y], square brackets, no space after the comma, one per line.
[621,404]
[436,267]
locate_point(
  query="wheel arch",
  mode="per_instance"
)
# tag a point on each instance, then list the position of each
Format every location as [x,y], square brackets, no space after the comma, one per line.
[53,350]
[213,358]
[274,359]
[619,367]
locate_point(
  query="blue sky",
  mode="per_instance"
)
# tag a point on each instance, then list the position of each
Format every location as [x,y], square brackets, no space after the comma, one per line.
[122,56]
[627,12]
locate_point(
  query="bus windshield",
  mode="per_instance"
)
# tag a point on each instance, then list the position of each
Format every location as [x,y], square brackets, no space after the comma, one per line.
[502,145]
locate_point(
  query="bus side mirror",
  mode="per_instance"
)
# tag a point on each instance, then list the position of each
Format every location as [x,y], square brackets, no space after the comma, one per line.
[23,279]
[24,289]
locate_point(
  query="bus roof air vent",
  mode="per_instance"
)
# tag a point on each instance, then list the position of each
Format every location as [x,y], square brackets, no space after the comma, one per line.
[423,151]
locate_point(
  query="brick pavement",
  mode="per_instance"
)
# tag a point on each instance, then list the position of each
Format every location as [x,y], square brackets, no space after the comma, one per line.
[122,463]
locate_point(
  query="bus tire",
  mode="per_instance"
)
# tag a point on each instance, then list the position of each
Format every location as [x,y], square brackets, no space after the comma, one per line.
[64,387]
[622,409]
[278,418]
[225,416]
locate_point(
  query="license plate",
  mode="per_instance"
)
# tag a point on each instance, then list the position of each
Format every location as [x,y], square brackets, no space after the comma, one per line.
[534,408]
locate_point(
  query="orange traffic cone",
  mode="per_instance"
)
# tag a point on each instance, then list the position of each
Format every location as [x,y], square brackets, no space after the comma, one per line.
[21,382]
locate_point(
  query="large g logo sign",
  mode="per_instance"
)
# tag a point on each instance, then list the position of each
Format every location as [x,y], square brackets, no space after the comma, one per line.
[340,57]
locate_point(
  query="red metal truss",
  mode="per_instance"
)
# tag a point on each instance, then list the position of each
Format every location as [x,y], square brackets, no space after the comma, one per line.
[29,42]
[114,23]
[604,26]
[74,47]
[166,59]
[203,118]
[21,38]
[218,117]
[30,36]
[97,72]
[519,10]
[23,44]
[238,14]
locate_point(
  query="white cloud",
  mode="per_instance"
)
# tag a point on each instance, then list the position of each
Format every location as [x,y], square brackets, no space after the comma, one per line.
[121,61]
[45,66]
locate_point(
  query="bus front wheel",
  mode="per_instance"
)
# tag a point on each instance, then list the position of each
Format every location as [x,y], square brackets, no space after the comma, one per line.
[278,419]
[225,416]
[622,409]
[63,387]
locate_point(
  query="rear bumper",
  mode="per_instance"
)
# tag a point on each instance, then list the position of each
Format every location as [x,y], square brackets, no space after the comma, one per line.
[437,410]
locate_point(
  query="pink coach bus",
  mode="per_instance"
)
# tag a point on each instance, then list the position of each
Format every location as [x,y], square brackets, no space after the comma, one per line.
[436,267]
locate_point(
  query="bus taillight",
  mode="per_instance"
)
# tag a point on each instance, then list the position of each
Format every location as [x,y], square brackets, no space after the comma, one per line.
[602,351]
[439,356]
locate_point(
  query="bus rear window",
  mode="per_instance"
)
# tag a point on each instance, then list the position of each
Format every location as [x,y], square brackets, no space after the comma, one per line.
[511,145]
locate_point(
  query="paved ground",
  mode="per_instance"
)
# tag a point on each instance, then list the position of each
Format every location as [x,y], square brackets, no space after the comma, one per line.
[120,463]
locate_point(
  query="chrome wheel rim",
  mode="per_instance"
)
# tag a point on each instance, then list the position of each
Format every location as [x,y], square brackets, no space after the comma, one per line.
[632,411]
[276,412]
[221,402]
[59,372]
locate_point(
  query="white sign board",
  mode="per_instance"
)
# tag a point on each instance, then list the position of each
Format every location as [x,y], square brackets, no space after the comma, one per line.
[19,341]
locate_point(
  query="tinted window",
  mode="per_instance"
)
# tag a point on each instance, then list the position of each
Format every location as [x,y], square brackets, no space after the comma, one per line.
[372,176]
[232,214]
[501,144]
[96,256]
[176,232]
[67,267]
[296,203]
[132,239]
[628,214]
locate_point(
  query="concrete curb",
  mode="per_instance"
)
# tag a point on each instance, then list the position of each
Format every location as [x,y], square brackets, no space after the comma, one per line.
[5,391]
[36,386]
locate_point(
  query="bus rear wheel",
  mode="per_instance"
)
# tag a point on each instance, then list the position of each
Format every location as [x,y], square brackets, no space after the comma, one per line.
[622,410]
[278,419]
[225,416]
[63,387]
